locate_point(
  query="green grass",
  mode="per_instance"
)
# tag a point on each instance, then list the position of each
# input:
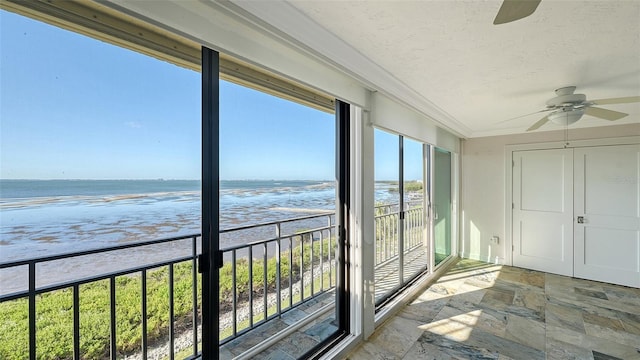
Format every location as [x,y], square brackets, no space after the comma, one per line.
[242,270]
[317,282]
[225,333]
[54,310]
[54,316]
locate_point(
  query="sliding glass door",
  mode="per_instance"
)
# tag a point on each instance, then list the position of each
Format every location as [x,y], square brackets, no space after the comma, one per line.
[401,251]
[276,211]
[442,204]
[387,214]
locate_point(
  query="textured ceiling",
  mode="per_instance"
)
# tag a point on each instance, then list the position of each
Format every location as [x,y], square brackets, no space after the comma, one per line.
[479,74]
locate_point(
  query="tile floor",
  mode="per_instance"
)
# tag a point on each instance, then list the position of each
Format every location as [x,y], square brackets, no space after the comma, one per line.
[484,311]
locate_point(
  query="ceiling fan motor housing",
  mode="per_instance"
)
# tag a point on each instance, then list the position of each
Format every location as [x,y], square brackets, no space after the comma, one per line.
[566,100]
[567,108]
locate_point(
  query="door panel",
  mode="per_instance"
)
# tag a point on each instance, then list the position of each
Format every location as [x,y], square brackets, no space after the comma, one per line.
[387,215]
[543,210]
[442,204]
[416,256]
[607,196]
[532,231]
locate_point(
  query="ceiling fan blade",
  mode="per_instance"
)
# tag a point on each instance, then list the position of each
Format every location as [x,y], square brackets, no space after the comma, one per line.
[539,123]
[604,113]
[521,116]
[512,10]
[622,100]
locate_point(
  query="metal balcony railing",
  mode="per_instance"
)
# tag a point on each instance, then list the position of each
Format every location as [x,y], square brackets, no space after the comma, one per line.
[259,280]
[386,222]
[35,292]
[287,270]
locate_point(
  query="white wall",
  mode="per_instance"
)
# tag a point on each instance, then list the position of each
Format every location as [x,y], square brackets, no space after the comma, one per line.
[483,185]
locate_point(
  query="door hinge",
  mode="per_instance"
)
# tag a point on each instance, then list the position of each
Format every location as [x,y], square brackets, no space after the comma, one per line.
[513,163]
[513,248]
[513,206]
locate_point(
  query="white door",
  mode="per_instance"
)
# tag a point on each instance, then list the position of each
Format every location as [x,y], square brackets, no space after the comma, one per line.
[607,197]
[543,210]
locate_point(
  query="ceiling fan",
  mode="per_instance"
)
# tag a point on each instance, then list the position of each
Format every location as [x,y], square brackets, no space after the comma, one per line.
[512,10]
[567,108]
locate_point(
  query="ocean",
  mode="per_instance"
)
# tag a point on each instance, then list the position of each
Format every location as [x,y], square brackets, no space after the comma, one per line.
[43,217]
[47,217]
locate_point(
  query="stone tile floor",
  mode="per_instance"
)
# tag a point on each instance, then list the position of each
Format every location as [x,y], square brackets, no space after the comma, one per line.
[485,311]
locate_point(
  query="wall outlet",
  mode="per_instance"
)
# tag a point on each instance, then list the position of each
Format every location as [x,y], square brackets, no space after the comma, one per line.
[495,240]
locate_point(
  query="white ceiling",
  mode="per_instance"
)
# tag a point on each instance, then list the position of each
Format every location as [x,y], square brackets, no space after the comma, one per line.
[472,75]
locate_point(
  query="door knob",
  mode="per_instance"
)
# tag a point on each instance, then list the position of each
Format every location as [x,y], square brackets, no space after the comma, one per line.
[580,219]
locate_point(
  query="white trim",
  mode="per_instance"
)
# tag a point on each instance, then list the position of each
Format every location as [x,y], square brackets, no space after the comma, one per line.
[342,349]
[508,205]
[361,227]
[455,202]
[491,260]
[367,223]
[432,245]
[427,169]
[508,161]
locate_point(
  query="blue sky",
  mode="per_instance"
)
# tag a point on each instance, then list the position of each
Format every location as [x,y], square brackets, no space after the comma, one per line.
[386,152]
[72,107]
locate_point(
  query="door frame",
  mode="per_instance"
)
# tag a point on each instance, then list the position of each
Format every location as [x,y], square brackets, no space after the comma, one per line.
[452,213]
[210,262]
[508,166]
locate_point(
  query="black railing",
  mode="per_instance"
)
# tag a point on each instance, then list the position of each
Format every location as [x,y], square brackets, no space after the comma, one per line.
[387,237]
[33,292]
[259,280]
[287,270]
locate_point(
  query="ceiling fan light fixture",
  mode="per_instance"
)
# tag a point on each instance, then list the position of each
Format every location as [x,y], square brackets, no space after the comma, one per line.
[565,118]
[567,108]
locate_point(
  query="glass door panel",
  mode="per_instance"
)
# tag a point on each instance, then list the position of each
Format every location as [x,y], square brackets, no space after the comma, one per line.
[415,257]
[442,204]
[387,214]
[281,264]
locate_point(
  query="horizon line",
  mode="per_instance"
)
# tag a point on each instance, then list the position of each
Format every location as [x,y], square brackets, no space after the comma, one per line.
[154,179]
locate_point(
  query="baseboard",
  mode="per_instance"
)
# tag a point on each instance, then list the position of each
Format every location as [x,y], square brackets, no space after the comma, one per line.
[492,260]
